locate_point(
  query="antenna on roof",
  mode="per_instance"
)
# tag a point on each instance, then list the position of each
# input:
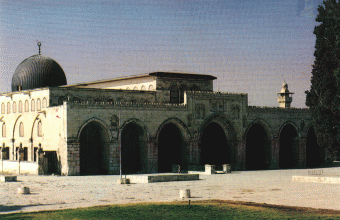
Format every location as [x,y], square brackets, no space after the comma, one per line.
[39,45]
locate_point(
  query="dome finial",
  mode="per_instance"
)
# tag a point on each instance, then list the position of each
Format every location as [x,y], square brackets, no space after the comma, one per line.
[39,45]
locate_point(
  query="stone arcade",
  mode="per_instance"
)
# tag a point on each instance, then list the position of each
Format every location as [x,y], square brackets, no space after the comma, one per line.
[158,120]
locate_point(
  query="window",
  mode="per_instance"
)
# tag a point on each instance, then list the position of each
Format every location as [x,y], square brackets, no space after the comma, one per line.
[3,130]
[20,106]
[2,108]
[17,153]
[21,129]
[8,107]
[143,88]
[5,154]
[32,105]
[60,101]
[39,128]
[174,94]
[235,112]
[25,154]
[200,111]
[14,107]
[27,106]
[135,88]
[183,89]
[35,154]
[44,103]
[151,87]
[38,105]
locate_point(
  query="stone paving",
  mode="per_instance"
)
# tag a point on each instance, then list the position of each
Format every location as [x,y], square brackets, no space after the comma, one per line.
[271,187]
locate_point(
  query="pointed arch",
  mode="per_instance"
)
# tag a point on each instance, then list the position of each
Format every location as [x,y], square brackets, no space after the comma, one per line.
[134,149]
[14,127]
[3,129]
[94,120]
[94,137]
[315,154]
[172,137]
[258,138]
[181,125]
[289,145]
[217,140]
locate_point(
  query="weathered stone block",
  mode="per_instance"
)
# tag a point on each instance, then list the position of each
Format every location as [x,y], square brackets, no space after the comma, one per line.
[8,178]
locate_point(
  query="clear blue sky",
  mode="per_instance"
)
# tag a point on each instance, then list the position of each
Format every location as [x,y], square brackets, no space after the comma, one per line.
[251,46]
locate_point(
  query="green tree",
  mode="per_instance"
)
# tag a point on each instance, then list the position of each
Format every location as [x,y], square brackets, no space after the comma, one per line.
[323,98]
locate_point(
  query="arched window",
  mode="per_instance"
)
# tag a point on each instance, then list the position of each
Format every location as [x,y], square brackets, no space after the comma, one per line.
[3,130]
[38,105]
[39,129]
[127,88]
[182,91]
[135,88]
[27,106]
[143,88]
[2,108]
[44,103]
[20,106]
[21,129]
[14,107]
[61,100]
[150,87]
[174,94]
[8,107]
[32,105]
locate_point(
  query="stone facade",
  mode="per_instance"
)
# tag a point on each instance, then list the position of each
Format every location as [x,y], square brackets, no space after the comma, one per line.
[88,129]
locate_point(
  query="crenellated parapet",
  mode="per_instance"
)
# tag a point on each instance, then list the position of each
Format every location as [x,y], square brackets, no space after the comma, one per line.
[126,104]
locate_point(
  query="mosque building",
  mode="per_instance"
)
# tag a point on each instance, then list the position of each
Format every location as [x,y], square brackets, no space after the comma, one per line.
[147,123]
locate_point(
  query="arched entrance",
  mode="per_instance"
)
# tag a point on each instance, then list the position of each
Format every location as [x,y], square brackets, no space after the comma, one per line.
[258,148]
[171,148]
[314,152]
[94,150]
[133,149]
[215,149]
[289,147]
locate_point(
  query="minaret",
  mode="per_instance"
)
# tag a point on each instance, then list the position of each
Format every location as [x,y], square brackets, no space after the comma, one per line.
[39,45]
[284,97]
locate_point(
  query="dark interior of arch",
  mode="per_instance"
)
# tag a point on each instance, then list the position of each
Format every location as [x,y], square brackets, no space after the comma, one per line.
[314,152]
[134,154]
[258,155]
[289,148]
[171,149]
[93,151]
[215,149]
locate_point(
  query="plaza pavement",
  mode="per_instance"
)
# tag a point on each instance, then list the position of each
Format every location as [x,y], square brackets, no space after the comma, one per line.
[270,187]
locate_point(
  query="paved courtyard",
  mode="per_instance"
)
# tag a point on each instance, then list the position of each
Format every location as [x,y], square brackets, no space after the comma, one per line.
[271,187]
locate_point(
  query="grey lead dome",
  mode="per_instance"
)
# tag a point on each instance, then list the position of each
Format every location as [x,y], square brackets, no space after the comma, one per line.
[38,71]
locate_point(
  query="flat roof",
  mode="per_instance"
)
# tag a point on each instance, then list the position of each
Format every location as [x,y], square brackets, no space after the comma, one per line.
[156,74]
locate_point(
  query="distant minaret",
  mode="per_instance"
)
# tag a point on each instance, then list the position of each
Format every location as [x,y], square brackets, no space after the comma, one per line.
[284,97]
[39,45]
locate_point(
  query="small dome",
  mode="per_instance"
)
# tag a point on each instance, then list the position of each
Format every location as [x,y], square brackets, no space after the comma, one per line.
[38,71]
[284,88]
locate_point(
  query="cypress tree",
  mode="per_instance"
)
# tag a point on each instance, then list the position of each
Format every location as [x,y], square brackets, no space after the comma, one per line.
[323,98]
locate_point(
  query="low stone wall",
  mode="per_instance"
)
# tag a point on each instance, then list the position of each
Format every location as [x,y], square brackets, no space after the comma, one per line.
[151,178]
[316,179]
[16,167]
